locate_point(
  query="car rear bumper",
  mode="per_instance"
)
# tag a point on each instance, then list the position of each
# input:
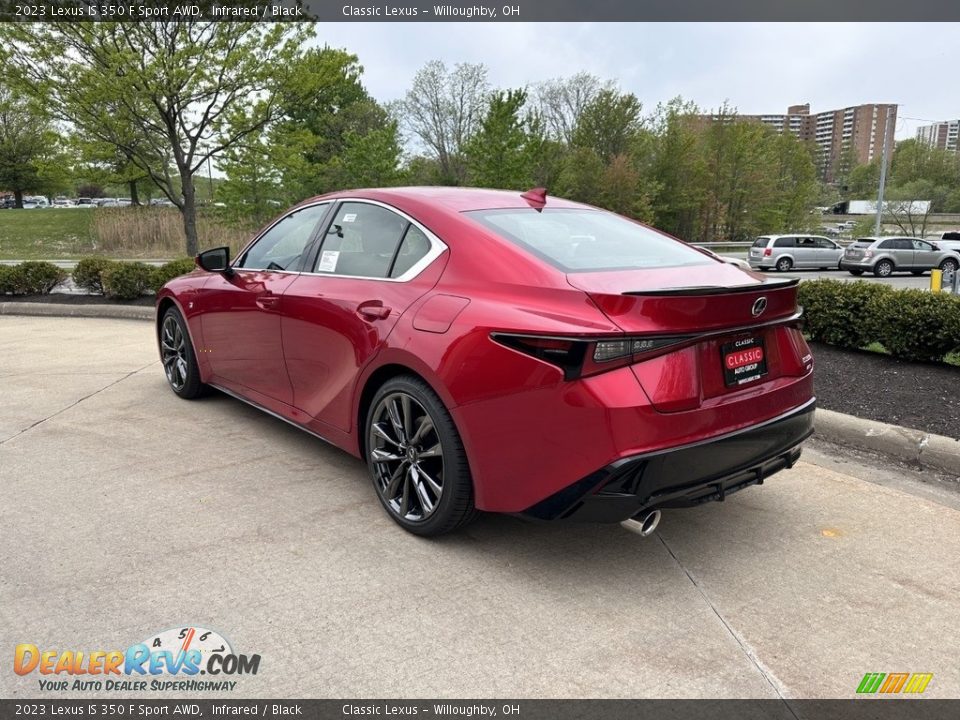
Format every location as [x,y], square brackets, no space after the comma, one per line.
[683,476]
[856,264]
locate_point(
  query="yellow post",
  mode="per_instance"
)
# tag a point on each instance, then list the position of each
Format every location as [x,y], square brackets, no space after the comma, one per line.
[936,280]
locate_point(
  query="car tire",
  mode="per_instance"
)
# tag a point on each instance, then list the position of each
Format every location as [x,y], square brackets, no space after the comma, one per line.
[949,265]
[858,273]
[178,356]
[883,268]
[405,479]
[784,264]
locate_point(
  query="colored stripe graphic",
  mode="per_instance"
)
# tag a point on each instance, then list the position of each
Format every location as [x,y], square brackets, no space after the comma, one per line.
[870,682]
[894,683]
[918,682]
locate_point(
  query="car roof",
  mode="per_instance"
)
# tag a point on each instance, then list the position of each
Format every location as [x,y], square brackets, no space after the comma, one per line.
[455,199]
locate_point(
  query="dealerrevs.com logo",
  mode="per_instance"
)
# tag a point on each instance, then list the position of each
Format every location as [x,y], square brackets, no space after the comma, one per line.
[183,653]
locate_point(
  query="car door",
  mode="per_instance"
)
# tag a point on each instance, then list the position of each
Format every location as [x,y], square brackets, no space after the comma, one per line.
[369,266]
[903,253]
[925,255]
[241,309]
[900,251]
[828,253]
[805,254]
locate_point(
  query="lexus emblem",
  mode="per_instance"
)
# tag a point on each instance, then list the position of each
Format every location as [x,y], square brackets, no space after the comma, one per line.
[759,305]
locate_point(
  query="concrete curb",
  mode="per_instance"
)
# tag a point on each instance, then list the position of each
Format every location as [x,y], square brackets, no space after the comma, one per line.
[914,446]
[123,312]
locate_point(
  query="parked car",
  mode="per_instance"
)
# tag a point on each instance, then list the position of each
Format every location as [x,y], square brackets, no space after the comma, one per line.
[949,240]
[35,201]
[491,350]
[742,264]
[785,252]
[885,255]
[62,202]
[85,202]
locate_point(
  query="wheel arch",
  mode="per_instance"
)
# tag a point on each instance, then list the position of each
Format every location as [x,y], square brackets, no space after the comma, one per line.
[166,301]
[374,381]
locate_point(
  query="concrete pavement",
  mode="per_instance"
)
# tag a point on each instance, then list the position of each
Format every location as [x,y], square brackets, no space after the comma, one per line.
[128,511]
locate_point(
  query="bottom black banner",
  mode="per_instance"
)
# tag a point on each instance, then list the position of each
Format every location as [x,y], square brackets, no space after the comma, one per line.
[875,708]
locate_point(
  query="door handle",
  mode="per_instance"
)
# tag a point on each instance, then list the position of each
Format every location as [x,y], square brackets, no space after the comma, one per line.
[267,301]
[373,310]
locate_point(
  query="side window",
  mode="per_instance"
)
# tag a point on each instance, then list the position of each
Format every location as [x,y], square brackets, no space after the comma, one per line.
[362,241]
[413,248]
[950,235]
[785,242]
[824,243]
[888,245]
[921,245]
[280,247]
[904,244]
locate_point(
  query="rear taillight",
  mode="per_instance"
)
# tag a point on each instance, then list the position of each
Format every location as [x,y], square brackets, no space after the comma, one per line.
[868,254]
[767,252]
[581,357]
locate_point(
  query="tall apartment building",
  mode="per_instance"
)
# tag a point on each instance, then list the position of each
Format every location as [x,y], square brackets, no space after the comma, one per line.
[860,127]
[941,135]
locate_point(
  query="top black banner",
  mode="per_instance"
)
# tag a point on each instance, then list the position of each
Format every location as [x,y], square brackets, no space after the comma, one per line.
[509,11]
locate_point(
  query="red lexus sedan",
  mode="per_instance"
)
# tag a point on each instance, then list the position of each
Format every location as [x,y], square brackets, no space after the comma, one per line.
[498,351]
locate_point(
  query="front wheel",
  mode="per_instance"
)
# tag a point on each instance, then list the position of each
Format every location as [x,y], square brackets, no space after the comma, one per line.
[883,268]
[949,265]
[416,459]
[178,357]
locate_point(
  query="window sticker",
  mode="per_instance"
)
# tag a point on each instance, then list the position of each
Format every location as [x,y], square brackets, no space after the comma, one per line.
[349,217]
[328,261]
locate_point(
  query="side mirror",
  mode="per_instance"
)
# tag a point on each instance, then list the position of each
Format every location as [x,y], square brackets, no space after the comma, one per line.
[216,260]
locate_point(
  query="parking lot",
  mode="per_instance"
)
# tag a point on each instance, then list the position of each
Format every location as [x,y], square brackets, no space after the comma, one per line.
[128,511]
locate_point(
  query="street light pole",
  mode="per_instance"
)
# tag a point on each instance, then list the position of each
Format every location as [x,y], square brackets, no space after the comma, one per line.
[883,171]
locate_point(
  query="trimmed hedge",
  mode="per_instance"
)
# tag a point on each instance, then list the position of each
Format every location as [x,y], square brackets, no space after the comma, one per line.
[911,324]
[168,271]
[87,273]
[126,280]
[6,279]
[30,278]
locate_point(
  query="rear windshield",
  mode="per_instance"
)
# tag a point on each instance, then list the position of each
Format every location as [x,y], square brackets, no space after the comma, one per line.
[578,240]
[761,242]
[861,244]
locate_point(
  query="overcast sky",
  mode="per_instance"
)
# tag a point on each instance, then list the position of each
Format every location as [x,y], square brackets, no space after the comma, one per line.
[758,67]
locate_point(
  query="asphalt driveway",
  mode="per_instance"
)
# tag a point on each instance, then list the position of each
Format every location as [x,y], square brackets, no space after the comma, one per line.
[126,511]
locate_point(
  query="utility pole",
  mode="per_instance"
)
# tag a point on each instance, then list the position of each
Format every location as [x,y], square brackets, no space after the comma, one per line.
[210,178]
[883,170]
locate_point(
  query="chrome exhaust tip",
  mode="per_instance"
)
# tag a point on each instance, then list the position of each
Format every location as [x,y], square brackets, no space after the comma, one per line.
[643,524]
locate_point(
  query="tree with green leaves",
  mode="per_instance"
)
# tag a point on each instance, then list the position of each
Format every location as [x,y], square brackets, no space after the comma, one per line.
[30,160]
[186,91]
[327,134]
[496,154]
[609,124]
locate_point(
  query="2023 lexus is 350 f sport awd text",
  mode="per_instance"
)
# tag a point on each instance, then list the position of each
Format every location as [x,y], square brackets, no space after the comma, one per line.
[488,350]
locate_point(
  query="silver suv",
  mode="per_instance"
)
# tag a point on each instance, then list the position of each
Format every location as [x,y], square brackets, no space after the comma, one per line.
[885,255]
[784,252]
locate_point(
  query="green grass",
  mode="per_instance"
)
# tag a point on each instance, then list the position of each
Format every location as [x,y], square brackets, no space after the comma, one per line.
[46,234]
